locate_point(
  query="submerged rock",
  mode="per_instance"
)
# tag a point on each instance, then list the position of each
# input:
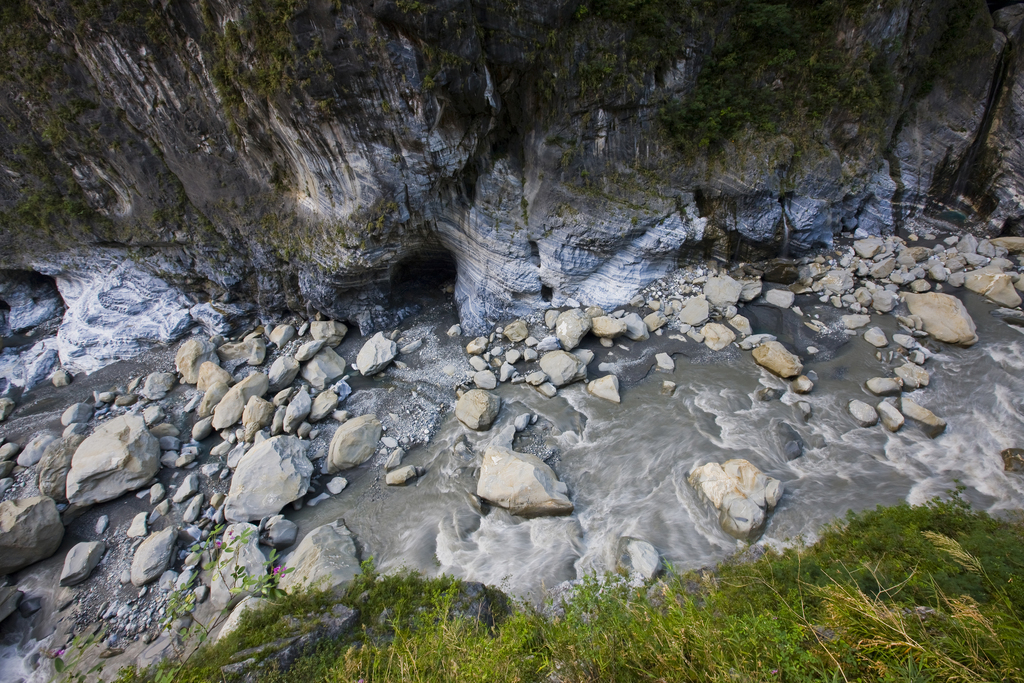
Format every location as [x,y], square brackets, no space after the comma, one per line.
[743,495]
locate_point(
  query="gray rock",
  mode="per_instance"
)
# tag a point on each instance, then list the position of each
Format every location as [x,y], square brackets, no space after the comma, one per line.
[928,421]
[157,385]
[606,387]
[189,487]
[743,495]
[61,378]
[376,354]
[202,429]
[252,351]
[331,332]
[477,409]
[636,329]
[913,376]
[323,405]
[353,443]
[402,475]
[54,466]
[639,558]
[281,335]
[6,408]
[79,412]
[282,373]
[883,386]
[325,558]
[944,317]
[722,291]
[695,312]
[268,477]
[309,350]
[774,356]
[191,356]
[279,532]
[35,448]
[324,369]
[80,561]
[153,557]
[562,367]
[865,415]
[120,456]
[883,301]
[520,482]
[485,379]
[138,529]
[782,298]
[570,328]
[30,531]
[891,417]
[211,373]
[297,411]
[876,337]
[516,331]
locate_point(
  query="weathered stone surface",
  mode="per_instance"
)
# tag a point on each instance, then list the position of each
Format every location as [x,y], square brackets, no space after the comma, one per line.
[655,321]
[120,456]
[257,414]
[229,410]
[78,412]
[774,356]
[694,312]
[324,368]
[743,495]
[636,329]
[282,373]
[520,482]
[376,354]
[855,322]
[30,531]
[1014,245]
[153,556]
[722,291]
[571,326]
[309,350]
[34,449]
[240,550]
[281,335]
[868,248]
[605,387]
[191,356]
[782,298]
[210,374]
[891,417]
[883,386]
[157,385]
[268,477]
[997,287]
[331,332]
[562,367]
[516,331]
[213,396]
[876,337]
[864,414]
[944,317]
[930,423]
[252,351]
[298,410]
[717,336]
[913,376]
[353,443]
[607,327]
[638,557]
[54,466]
[477,409]
[80,561]
[234,620]
[485,379]
[323,405]
[325,558]
[402,475]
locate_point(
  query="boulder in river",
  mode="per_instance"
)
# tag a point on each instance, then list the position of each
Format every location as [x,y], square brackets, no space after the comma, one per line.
[30,531]
[944,317]
[269,476]
[994,286]
[774,356]
[353,443]
[606,387]
[120,456]
[80,561]
[638,557]
[571,326]
[741,493]
[520,482]
[930,423]
[884,386]
[864,414]
[326,558]
[562,367]
[191,356]
[477,409]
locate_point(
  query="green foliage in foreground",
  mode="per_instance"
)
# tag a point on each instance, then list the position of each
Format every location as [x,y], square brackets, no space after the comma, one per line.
[930,593]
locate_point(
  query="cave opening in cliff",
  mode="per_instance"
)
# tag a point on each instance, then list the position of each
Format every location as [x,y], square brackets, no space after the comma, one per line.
[430,271]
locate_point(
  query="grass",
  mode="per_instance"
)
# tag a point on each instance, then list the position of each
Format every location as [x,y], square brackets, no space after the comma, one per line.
[928,593]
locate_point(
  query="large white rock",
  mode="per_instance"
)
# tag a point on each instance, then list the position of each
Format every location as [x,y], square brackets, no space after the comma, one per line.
[153,556]
[863,413]
[929,421]
[722,291]
[562,367]
[30,531]
[240,552]
[606,387]
[606,327]
[741,493]
[945,317]
[376,354]
[638,557]
[120,456]
[229,410]
[353,443]
[636,328]
[774,356]
[520,482]
[997,287]
[191,356]
[477,409]
[571,326]
[325,558]
[325,367]
[272,474]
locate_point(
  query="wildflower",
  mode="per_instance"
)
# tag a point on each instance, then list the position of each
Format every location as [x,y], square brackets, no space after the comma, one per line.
[775,671]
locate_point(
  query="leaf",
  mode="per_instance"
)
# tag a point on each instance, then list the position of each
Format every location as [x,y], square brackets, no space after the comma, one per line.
[58,664]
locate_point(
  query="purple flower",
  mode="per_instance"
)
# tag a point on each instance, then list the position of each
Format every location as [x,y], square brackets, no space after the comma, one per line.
[775,671]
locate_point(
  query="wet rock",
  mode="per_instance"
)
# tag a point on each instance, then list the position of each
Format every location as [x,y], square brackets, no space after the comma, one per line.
[30,531]
[792,442]
[402,475]
[229,410]
[944,317]
[637,557]
[605,387]
[695,312]
[353,443]
[802,385]
[751,290]
[876,337]
[562,367]
[743,495]
[80,561]
[864,414]
[252,351]
[607,327]
[243,560]
[571,326]
[664,363]
[330,332]
[930,423]
[120,456]
[325,558]
[781,271]
[913,376]
[516,331]
[717,336]
[477,409]
[210,374]
[157,385]
[883,386]
[78,412]
[520,482]
[33,451]
[282,373]
[997,287]
[891,417]
[1013,459]
[326,366]
[153,557]
[268,477]
[376,354]
[297,411]
[191,356]
[54,466]
[774,356]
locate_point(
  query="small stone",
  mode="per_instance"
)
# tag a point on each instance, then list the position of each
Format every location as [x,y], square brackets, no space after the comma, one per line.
[883,386]
[138,526]
[892,419]
[668,388]
[876,337]
[864,414]
[665,363]
[802,385]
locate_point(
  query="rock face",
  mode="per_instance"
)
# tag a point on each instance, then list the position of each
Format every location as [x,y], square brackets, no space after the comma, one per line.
[353,443]
[191,356]
[775,357]
[325,558]
[268,477]
[30,530]
[743,495]
[376,354]
[477,409]
[945,318]
[119,456]
[153,556]
[520,482]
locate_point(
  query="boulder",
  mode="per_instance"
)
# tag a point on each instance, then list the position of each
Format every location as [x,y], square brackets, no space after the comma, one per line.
[516,331]
[743,495]
[477,409]
[120,456]
[257,414]
[891,417]
[520,482]
[1013,459]
[211,373]
[571,326]
[876,337]
[884,386]
[774,356]
[153,556]
[913,376]
[837,282]
[477,346]
[945,318]
[240,557]
[281,335]
[282,373]
[865,415]
[403,475]
[868,248]
[323,405]
[326,558]
[30,531]
[331,332]
[855,322]
[252,351]
[607,327]
[353,443]
[269,476]
[33,451]
[279,532]
[994,286]
[655,321]
[931,424]
[191,356]
[324,368]
[782,298]
[54,466]
[79,412]
[562,367]
[717,336]
[638,558]
[485,379]
[1014,245]
[636,329]
[229,410]
[694,312]
[80,561]
[157,385]
[606,387]
[376,354]
[6,408]
[298,410]
[308,350]
[722,291]
[213,396]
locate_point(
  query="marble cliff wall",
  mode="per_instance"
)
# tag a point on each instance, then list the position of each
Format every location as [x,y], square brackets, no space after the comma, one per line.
[191,160]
